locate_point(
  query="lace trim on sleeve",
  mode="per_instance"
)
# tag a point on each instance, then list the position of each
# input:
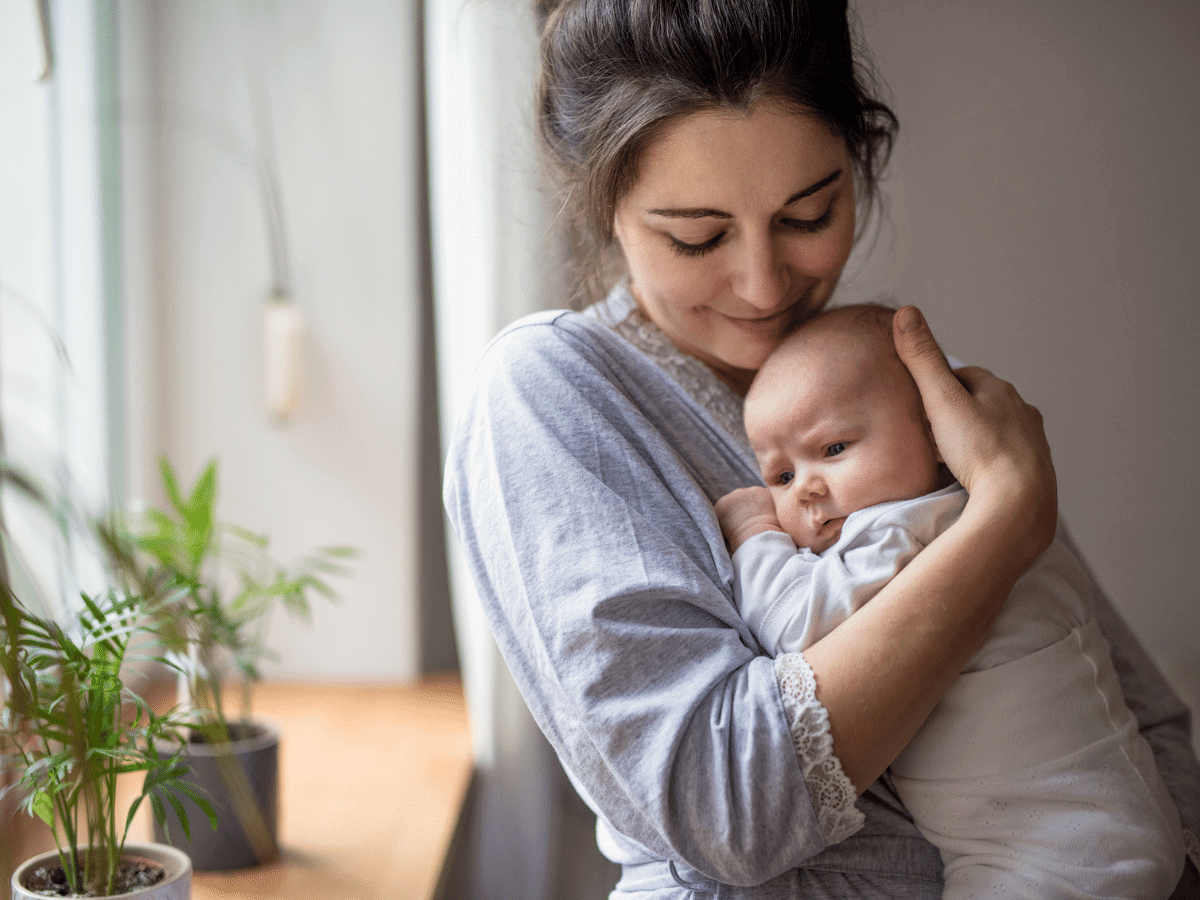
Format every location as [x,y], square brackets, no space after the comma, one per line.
[832,793]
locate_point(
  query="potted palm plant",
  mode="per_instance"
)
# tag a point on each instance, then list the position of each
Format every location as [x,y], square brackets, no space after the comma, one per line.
[71,727]
[217,586]
[76,740]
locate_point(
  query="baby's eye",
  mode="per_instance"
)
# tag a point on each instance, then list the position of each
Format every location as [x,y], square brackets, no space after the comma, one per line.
[835,449]
[786,477]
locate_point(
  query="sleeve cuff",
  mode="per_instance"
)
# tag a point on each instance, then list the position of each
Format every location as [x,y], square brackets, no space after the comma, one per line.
[832,794]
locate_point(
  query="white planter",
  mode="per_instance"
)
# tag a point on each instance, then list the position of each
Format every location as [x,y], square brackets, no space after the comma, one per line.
[177,885]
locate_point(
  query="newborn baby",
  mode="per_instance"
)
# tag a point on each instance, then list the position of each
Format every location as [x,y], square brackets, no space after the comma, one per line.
[1030,775]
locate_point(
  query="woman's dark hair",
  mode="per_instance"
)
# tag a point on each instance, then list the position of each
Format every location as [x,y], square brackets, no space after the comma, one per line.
[615,73]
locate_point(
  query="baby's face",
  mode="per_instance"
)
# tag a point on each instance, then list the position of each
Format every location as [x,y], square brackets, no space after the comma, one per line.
[836,429]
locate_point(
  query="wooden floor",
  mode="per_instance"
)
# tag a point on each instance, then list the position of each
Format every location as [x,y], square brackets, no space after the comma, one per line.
[372,781]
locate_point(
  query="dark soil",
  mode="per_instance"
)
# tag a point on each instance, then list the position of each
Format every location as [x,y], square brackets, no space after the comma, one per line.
[238,731]
[133,874]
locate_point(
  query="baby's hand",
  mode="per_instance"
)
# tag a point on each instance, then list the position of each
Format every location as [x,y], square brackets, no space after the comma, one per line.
[744,513]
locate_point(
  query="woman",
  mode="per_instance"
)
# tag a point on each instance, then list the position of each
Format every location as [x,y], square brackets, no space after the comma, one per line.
[726,148]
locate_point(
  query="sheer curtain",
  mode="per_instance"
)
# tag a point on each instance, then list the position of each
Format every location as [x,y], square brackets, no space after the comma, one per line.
[58,340]
[492,262]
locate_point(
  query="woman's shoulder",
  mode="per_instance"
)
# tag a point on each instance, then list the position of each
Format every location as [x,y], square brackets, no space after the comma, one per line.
[562,346]
[550,334]
[566,333]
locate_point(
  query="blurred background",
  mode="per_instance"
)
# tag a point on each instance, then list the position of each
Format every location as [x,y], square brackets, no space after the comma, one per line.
[171,169]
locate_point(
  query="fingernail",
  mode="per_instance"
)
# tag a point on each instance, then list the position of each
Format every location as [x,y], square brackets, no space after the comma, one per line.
[908,319]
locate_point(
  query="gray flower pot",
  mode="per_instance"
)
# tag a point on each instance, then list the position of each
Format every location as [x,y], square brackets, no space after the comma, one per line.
[177,885]
[241,781]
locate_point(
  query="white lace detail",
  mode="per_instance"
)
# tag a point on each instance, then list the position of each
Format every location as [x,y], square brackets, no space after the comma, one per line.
[1191,846]
[832,793]
[619,311]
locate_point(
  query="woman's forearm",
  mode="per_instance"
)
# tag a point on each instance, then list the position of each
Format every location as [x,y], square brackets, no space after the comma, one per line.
[880,673]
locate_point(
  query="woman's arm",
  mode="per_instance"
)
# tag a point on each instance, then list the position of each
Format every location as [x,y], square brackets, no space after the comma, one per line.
[579,484]
[922,628]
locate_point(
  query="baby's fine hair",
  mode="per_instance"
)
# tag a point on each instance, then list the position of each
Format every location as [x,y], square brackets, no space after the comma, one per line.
[872,319]
[873,316]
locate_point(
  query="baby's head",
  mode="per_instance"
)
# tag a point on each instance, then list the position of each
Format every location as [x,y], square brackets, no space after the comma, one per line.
[837,424]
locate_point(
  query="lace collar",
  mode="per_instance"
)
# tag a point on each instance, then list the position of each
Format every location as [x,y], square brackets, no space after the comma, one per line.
[619,312]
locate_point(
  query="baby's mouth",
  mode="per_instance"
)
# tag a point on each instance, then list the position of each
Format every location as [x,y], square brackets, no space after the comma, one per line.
[831,529]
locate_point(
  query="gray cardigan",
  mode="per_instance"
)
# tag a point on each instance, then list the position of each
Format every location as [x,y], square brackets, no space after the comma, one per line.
[580,482]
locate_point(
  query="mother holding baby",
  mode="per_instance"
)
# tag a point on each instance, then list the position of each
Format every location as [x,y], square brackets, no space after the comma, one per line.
[727,149]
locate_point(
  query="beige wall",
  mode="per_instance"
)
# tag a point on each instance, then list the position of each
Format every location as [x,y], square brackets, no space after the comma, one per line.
[1045,212]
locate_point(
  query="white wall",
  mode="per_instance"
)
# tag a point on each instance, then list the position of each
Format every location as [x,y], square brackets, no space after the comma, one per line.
[341,86]
[1045,213]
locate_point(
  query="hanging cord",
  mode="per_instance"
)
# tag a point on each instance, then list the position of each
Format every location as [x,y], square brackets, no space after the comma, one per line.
[266,160]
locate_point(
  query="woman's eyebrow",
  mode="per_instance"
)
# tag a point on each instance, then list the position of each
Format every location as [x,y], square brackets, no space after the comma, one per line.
[698,212]
[702,212]
[813,188]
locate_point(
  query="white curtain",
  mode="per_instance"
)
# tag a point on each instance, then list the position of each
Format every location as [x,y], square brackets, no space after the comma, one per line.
[492,262]
[54,273]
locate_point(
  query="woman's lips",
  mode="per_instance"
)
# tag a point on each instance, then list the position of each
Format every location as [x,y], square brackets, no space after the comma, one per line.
[763,325]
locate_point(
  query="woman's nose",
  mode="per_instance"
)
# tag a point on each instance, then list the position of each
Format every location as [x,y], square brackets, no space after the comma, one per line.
[762,279]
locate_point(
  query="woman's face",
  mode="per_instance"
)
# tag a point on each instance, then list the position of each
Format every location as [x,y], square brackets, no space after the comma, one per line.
[737,228]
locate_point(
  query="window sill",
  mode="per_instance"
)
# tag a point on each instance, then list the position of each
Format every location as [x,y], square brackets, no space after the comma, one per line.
[372,783]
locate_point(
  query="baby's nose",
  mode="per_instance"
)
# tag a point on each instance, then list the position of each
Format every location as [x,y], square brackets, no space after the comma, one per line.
[812,487]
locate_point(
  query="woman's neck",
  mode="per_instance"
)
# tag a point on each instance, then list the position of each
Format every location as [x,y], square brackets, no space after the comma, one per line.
[737,380]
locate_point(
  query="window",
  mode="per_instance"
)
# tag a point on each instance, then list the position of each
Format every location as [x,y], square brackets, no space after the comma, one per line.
[56,346]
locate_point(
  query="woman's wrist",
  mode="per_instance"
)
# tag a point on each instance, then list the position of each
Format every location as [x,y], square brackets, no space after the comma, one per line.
[1018,511]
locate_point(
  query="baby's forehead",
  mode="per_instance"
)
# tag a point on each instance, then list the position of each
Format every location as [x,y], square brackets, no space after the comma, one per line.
[839,356]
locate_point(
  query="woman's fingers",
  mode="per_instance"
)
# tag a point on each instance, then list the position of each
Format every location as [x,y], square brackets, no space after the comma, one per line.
[991,439]
[919,351]
[957,424]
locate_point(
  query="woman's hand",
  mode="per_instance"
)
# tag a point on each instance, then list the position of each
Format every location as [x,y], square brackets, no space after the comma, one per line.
[744,513]
[992,440]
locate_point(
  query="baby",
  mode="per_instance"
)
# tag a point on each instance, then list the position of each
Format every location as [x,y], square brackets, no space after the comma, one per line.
[1030,775]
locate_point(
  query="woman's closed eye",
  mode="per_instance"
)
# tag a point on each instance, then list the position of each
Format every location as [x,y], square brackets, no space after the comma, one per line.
[803,226]
[683,248]
[810,226]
